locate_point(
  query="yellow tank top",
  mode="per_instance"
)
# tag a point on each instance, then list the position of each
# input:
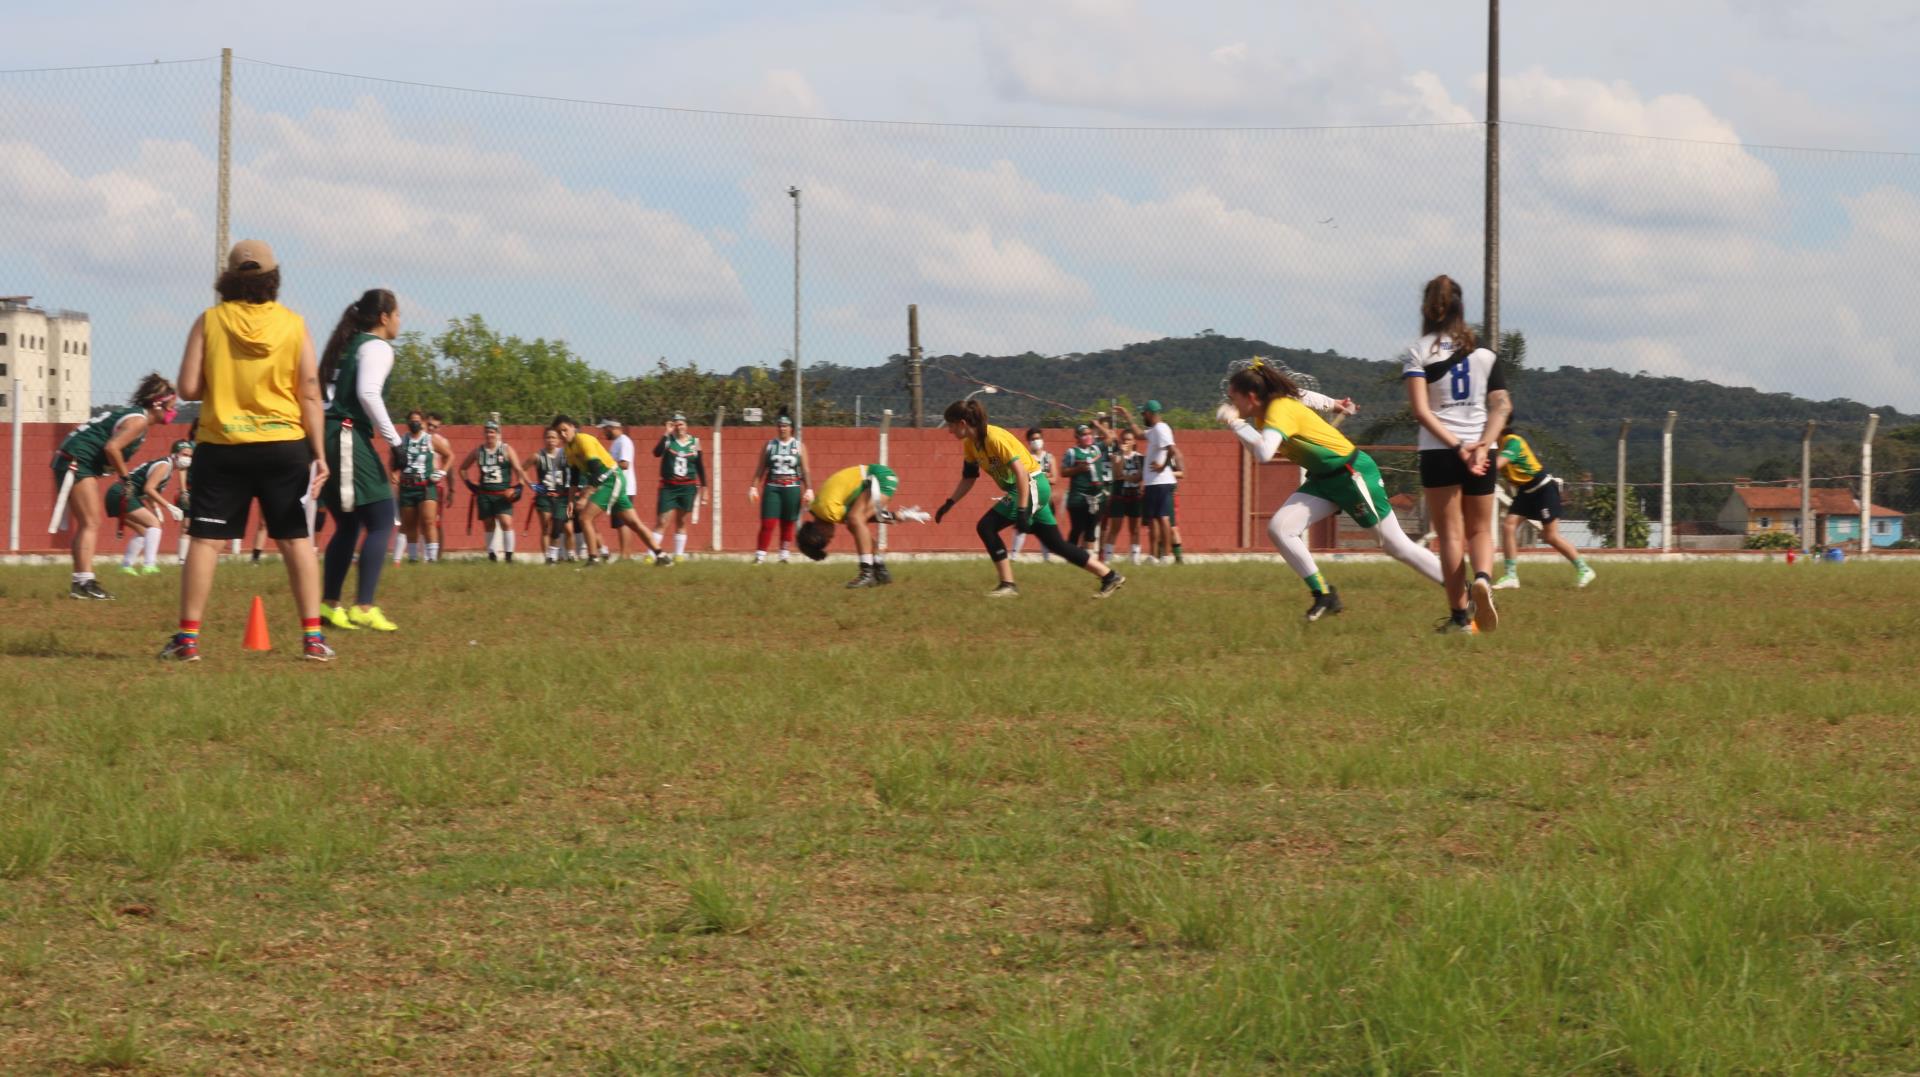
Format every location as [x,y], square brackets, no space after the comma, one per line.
[251,370]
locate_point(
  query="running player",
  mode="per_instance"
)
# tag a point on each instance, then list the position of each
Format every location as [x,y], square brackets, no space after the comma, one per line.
[1037,445]
[499,474]
[101,448]
[1536,497]
[133,503]
[419,465]
[552,490]
[1458,393]
[858,497]
[783,466]
[1088,468]
[1024,503]
[354,367]
[601,489]
[683,481]
[1339,477]
[1128,468]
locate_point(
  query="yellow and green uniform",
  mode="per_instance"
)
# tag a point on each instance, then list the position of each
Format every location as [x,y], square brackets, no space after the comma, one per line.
[416,470]
[556,478]
[682,472]
[595,465]
[84,451]
[1518,465]
[780,497]
[844,487]
[997,459]
[496,482]
[121,500]
[1335,469]
[347,420]
[250,367]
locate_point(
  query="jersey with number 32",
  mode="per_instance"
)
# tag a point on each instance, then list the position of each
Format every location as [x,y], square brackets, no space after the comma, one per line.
[1457,386]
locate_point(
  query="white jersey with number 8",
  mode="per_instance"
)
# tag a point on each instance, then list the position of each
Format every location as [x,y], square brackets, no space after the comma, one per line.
[1456,388]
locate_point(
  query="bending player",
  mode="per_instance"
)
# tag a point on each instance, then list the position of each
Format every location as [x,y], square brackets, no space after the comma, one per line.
[99,449]
[1339,477]
[130,502]
[495,492]
[602,488]
[1536,497]
[858,497]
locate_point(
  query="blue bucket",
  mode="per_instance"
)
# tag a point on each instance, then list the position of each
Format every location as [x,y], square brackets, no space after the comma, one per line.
[1836,553]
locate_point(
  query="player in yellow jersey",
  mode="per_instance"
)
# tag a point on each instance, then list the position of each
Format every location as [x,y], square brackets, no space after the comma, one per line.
[1025,502]
[1339,477]
[1536,497]
[602,488]
[858,497]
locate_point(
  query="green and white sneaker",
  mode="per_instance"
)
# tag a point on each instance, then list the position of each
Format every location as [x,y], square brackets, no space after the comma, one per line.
[1507,582]
[1585,577]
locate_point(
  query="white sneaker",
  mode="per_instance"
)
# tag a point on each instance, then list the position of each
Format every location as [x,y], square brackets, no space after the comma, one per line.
[1508,582]
[1585,577]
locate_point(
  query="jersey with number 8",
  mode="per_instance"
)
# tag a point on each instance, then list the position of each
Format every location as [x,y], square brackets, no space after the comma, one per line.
[1457,387]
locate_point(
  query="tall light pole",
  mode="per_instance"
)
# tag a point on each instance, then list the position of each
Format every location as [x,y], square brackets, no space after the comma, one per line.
[988,389]
[1491,259]
[794,193]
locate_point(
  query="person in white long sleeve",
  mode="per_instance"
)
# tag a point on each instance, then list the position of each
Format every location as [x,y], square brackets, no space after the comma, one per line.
[360,441]
[1339,477]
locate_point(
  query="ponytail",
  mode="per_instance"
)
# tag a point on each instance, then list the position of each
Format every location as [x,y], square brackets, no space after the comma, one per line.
[1264,379]
[361,316]
[1443,313]
[152,389]
[974,415]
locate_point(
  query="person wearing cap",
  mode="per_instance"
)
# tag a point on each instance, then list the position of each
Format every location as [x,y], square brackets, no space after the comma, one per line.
[1037,445]
[131,503]
[354,366]
[1088,467]
[621,446]
[497,488]
[251,364]
[788,486]
[100,448]
[1160,474]
[683,481]
[601,487]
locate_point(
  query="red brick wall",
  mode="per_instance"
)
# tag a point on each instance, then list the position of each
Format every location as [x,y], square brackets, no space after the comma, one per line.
[1210,500]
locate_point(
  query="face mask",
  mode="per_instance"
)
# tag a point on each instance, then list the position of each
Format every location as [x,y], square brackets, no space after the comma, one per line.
[415,425]
[1035,444]
[182,462]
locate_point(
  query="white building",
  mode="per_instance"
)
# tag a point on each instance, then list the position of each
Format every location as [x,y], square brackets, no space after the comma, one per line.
[52,355]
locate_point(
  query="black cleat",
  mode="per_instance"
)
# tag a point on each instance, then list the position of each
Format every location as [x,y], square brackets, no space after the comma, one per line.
[865,579]
[881,575]
[90,590]
[1109,584]
[1324,604]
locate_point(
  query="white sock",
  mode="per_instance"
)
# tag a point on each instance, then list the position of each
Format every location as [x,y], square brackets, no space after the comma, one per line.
[82,577]
[679,544]
[783,553]
[153,545]
[1019,540]
[183,545]
[510,540]
[866,559]
[1135,549]
[433,551]
[759,556]
[580,545]
[399,547]
[553,553]
[138,540]
[1106,551]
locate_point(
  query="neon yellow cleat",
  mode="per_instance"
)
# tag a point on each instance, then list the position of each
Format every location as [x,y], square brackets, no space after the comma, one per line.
[337,617]
[371,617]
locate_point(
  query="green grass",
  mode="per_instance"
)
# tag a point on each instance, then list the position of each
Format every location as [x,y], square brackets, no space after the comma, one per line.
[731,820]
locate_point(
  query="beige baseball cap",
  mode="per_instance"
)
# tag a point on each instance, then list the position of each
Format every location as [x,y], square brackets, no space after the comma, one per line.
[254,251]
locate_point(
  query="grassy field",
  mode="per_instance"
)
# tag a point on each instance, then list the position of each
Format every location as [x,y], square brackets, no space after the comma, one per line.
[725,819]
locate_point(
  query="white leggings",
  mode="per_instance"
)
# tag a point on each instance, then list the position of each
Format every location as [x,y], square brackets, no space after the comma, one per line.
[1288,529]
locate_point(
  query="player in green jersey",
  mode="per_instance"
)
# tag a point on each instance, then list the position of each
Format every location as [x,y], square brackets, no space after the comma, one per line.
[1536,497]
[788,485]
[134,504]
[499,476]
[94,455]
[1338,476]
[419,466]
[552,490]
[683,481]
[1088,469]
[1123,506]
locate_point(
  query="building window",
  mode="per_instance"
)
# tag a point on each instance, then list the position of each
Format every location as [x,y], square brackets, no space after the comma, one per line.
[1879,527]
[63,346]
[69,375]
[83,348]
[3,340]
[1766,522]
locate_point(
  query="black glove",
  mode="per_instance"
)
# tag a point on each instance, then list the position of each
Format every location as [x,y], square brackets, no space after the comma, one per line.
[472,487]
[1025,520]
[941,512]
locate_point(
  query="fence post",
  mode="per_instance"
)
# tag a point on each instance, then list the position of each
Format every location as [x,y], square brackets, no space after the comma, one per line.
[886,428]
[1866,485]
[13,490]
[1666,484]
[1806,489]
[1620,488]
[715,469]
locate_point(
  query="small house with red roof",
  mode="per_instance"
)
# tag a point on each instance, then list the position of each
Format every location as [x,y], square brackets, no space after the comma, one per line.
[1756,510]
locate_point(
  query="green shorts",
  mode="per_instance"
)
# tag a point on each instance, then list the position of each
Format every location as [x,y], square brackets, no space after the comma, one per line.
[1040,496]
[610,496]
[493,503]
[118,501]
[682,496]
[556,506]
[412,495]
[1355,488]
[84,471]
[1091,504]
[780,502]
[370,485]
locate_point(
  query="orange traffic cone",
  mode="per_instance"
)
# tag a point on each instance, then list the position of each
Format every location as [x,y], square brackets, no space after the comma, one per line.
[257,627]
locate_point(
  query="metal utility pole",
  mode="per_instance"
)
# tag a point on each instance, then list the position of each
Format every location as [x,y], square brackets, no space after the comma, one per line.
[1666,484]
[1866,484]
[794,193]
[1491,254]
[220,237]
[1620,489]
[915,393]
[13,485]
[1806,489]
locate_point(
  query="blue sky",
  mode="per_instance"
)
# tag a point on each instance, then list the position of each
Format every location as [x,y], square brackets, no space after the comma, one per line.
[636,233]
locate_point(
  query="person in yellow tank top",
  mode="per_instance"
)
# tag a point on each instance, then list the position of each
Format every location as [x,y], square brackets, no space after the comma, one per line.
[251,364]
[1536,498]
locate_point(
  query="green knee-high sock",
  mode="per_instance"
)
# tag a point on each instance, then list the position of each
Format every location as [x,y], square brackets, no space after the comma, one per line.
[1317,584]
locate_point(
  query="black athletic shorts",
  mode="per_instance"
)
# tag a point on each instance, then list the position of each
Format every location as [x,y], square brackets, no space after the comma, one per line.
[1156,501]
[1444,467]
[228,479]
[1539,502]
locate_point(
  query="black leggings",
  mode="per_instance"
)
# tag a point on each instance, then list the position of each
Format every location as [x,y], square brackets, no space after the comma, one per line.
[993,523]
[1086,523]
[377,521]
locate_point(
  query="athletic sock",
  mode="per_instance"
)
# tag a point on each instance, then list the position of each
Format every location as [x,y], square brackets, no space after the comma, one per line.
[310,629]
[82,577]
[866,559]
[1317,584]
[189,631]
[679,544]
[153,545]
[1176,555]
[1135,553]
[1019,541]
[1106,551]
[433,551]
[1510,565]
[133,550]
[511,544]
[759,556]
[1580,563]
[1461,617]
[1483,576]
[256,555]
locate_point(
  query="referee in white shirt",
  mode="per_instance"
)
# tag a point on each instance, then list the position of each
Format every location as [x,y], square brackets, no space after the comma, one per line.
[621,446]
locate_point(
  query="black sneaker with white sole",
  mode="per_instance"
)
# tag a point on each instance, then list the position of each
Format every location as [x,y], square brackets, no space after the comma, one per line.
[881,575]
[1005,590]
[865,579]
[1324,604]
[90,591]
[1109,583]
